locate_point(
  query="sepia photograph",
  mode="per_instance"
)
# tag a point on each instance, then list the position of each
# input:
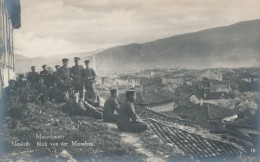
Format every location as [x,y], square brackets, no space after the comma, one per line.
[134,81]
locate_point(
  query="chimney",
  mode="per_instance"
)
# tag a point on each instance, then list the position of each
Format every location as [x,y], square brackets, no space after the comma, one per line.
[201,102]
[103,80]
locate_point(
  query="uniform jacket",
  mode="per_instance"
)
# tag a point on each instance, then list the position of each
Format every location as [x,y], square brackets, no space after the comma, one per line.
[76,74]
[46,75]
[110,106]
[33,77]
[126,114]
[89,74]
[63,74]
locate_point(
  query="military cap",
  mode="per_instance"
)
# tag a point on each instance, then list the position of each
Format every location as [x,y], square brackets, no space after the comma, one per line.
[43,66]
[65,60]
[21,75]
[87,61]
[56,66]
[112,90]
[76,58]
[32,67]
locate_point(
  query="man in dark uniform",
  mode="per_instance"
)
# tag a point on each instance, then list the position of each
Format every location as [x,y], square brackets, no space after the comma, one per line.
[22,86]
[88,74]
[63,77]
[111,105]
[33,76]
[75,106]
[40,93]
[91,94]
[55,93]
[54,75]
[128,120]
[46,75]
[76,74]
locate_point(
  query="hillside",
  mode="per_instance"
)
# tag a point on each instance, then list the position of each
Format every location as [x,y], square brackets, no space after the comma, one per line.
[234,45]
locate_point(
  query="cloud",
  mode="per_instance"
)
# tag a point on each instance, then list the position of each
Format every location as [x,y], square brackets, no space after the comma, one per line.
[68,26]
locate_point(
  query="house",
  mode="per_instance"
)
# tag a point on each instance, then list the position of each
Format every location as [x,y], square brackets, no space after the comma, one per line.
[133,81]
[146,74]
[188,82]
[207,112]
[209,74]
[9,20]
[230,118]
[173,80]
[204,84]
[220,86]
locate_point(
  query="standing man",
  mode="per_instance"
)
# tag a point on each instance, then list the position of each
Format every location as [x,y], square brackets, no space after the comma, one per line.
[33,76]
[76,73]
[63,77]
[88,75]
[111,105]
[46,75]
[128,120]
[54,75]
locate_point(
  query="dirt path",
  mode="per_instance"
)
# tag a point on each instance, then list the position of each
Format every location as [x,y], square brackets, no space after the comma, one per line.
[134,140]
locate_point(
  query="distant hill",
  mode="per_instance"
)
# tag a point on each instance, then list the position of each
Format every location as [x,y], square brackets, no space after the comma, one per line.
[20,57]
[24,63]
[230,46]
[237,45]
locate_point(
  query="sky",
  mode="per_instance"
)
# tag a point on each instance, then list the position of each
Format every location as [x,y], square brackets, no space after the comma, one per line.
[56,27]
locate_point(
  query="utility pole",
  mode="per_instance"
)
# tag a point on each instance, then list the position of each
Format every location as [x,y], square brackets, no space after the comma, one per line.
[94,61]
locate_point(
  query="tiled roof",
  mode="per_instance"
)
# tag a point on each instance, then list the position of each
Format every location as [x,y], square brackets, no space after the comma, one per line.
[206,111]
[188,138]
[192,143]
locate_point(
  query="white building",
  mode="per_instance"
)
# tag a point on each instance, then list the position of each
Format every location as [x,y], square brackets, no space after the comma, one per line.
[9,20]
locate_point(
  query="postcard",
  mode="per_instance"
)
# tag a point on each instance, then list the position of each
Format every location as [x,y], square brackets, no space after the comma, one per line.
[116,80]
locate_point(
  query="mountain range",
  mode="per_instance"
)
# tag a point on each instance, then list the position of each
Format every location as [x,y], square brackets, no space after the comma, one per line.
[236,45]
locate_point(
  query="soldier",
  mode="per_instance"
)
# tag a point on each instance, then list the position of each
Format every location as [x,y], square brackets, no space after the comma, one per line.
[79,107]
[19,82]
[88,74]
[128,120]
[63,77]
[33,76]
[22,88]
[46,75]
[76,74]
[54,75]
[91,95]
[111,105]
[55,93]
[40,91]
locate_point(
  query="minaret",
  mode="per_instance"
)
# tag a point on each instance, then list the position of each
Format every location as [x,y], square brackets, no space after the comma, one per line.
[94,61]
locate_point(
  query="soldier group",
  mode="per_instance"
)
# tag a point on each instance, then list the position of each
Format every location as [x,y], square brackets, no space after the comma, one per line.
[68,84]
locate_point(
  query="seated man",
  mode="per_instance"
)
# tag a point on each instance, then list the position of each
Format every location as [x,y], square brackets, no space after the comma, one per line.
[111,105]
[55,93]
[91,95]
[80,107]
[127,118]
[40,92]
